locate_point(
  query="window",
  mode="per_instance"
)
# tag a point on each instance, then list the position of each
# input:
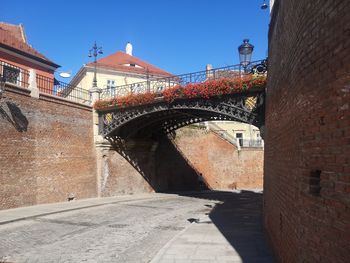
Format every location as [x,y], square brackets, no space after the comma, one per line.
[111,87]
[11,74]
[239,137]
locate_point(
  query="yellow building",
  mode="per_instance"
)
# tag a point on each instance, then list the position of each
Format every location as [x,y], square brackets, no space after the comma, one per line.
[118,69]
[245,135]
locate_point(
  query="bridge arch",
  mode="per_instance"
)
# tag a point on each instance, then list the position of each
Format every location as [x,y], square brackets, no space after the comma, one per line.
[164,118]
[218,94]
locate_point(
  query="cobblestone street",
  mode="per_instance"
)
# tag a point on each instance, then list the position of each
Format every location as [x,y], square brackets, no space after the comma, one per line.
[136,230]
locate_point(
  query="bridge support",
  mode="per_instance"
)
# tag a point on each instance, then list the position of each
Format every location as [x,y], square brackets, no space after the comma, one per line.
[142,165]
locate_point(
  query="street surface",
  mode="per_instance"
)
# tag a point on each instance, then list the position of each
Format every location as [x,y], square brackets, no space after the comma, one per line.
[141,230]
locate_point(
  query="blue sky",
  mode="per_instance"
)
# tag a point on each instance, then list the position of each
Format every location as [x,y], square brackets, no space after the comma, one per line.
[179,36]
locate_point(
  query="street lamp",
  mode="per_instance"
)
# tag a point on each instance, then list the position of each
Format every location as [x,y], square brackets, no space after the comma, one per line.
[245,53]
[264,5]
[94,53]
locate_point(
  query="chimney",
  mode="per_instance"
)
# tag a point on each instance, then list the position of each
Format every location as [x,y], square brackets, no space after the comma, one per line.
[209,69]
[128,49]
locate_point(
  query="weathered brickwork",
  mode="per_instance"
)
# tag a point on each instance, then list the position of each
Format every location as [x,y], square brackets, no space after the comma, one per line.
[144,165]
[128,174]
[46,150]
[307,140]
[221,164]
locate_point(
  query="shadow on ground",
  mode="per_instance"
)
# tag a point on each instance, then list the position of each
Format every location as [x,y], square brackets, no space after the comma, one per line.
[238,216]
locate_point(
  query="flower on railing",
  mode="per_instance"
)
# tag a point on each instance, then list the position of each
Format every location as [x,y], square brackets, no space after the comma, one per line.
[126,101]
[208,89]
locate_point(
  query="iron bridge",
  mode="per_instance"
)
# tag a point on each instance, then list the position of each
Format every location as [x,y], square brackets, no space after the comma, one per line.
[161,117]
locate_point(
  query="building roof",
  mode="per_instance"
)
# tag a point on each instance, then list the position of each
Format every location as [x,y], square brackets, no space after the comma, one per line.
[123,62]
[15,30]
[14,38]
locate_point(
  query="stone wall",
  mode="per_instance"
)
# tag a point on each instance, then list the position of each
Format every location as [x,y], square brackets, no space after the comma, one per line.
[307,140]
[46,150]
[220,162]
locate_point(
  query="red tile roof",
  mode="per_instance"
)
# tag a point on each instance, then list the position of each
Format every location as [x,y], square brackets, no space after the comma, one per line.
[13,36]
[16,30]
[118,60]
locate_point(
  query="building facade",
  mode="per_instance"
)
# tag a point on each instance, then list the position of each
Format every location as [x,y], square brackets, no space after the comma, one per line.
[245,135]
[116,70]
[19,61]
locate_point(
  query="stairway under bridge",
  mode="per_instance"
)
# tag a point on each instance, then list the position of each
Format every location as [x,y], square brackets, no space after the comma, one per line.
[160,106]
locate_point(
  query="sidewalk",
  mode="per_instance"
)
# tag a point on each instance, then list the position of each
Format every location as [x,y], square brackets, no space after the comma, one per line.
[232,232]
[17,214]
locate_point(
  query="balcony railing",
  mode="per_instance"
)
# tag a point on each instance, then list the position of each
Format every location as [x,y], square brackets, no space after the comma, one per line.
[49,85]
[250,143]
[61,89]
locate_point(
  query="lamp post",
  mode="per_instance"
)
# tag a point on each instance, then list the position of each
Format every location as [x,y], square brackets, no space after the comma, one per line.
[245,53]
[94,52]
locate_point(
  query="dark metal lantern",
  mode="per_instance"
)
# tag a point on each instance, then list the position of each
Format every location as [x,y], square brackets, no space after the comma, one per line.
[264,5]
[245,53]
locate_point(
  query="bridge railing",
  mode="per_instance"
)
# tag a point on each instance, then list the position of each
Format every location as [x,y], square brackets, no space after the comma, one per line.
[158,85]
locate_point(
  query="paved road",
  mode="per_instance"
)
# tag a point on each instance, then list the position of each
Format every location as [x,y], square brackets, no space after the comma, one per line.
[128,231]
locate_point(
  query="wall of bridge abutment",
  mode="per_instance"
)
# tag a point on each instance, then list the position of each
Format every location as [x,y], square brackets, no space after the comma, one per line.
[47,149]
[307,139]
[142,165]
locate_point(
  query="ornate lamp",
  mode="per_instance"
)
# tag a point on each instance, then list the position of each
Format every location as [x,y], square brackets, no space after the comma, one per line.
[94,52]
[264,5]
[245,53]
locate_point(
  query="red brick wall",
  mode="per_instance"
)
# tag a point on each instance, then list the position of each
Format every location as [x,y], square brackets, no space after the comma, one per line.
[308,131]
[46,150]
[221,164]
[128,174]
[144,165]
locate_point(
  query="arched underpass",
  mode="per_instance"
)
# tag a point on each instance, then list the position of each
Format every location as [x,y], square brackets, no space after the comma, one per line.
[144,137]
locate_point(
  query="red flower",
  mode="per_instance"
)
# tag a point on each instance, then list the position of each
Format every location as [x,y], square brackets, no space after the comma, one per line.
[208,89]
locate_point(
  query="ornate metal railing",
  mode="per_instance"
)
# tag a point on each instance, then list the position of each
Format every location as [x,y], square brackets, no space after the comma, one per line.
[157,85]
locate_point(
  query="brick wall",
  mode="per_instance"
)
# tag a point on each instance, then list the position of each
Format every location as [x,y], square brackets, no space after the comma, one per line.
[307,140]
[46,150]
[221,164]
[127,168]
[142,166]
